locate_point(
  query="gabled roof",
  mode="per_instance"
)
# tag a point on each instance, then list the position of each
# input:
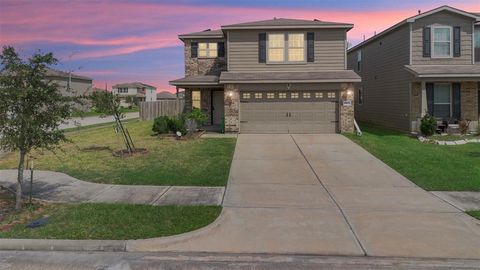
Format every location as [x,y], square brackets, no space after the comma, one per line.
[133,85]
[204,34]
[62,74]
[475,16]
[283,23]
[166,95]
[196,80]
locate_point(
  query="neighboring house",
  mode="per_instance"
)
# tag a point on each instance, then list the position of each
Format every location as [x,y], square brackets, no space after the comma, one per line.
[70,84]
[165,95]
[428,63]
[140,91]
[273,76]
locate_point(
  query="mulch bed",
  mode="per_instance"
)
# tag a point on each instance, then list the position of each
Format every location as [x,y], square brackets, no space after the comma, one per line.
[125,153]
[7,208]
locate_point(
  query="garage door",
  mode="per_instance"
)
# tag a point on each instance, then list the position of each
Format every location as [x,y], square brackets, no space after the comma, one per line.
[288,112]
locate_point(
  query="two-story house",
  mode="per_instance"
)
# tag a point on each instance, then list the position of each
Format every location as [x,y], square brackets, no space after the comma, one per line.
[136,90]
[273,76]
[428,63]
[70,84]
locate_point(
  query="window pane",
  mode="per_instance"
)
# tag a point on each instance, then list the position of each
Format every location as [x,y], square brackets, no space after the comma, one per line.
[212,47]
[441,34]
[202,53]
[296,40]
[441,49]
[441,111]
[294,95]
[258,95]
[246,95]
[276,40]
[296,54]
[276,55]
[282,95]
[306,95]
[270,95]
[319,95]
[196,99]
[441,94]
[202,46]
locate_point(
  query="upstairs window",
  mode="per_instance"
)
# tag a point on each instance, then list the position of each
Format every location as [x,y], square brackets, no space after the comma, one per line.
[208,50]
[441,42]
[359,60]
[477,45]
[360,96]
[122,90]
[284,48]
[276,48]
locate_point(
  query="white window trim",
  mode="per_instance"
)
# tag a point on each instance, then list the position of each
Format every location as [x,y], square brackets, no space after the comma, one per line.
[432,41]
[285,49]
[451,96]
[207,50]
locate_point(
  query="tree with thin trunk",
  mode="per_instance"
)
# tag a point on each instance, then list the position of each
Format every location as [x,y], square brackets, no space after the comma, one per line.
[109,104]
[31,107]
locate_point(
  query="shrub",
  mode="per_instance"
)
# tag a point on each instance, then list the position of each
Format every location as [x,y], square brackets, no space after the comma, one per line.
[428,125]
[198,116]
[160,125]
[177,124]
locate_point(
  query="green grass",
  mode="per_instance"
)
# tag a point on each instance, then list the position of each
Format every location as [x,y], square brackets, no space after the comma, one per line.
[115,221]
[432,167]
[453,137]
[475,214]
[200,162]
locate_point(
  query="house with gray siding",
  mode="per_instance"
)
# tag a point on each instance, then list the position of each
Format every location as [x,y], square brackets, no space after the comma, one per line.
[70,84]
[425,64]
[272,76]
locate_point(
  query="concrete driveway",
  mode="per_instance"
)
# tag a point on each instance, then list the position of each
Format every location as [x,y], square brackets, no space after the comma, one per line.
[323,194]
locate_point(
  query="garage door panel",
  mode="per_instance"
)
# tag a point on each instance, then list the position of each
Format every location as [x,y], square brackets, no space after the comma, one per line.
[288,117]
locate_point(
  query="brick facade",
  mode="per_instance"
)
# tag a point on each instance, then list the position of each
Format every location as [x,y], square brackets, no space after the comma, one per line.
[347,112]
[203,66]
[232,107]
[469,103]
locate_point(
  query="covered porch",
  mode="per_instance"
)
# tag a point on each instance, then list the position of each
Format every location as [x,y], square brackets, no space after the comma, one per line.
[449,93]
[205,93]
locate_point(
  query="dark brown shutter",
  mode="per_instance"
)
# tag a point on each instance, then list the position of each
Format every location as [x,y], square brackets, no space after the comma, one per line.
[221,49]
[194,49]
[427,42]
[430,98]
[310,47]
[456,41]
[262,48]
[456,103]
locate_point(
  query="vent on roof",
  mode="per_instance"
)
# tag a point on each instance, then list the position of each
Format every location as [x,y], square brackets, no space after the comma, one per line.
[274,18]
[316,20]
[206,30]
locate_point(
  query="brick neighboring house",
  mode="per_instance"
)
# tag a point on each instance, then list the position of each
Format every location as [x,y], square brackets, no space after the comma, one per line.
[428,63]
[141,91]
[273,76]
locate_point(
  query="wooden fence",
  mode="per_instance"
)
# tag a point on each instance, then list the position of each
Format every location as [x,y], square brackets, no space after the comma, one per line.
[151,109]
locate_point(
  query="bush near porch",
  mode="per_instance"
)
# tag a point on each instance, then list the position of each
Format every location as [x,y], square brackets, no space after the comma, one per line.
[432,167]
[199,162]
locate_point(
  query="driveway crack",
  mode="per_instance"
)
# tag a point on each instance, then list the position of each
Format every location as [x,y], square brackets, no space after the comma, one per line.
[333,199]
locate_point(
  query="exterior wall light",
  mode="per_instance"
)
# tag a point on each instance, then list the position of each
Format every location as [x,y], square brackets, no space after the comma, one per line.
[230,94]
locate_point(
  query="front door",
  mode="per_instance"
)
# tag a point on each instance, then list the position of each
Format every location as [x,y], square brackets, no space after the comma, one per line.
[217,107]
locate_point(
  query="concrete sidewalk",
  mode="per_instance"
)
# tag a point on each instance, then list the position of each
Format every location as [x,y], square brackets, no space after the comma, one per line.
[59,187]
[94,120]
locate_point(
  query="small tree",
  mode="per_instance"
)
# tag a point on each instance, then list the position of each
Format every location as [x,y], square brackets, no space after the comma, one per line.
[109,104]
[31,108]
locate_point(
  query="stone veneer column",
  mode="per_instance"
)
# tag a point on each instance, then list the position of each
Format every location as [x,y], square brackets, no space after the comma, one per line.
[346,112]
[188,100]
[232,107]
[469,103]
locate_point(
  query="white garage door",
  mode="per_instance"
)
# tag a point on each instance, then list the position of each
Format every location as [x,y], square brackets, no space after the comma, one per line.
[288,112]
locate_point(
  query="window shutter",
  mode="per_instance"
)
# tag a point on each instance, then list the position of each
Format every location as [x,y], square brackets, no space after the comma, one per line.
[262,48]
[221,49]
[310,47]
[430,98]
[194,49]
[427,42]
[456,103]
[456,41]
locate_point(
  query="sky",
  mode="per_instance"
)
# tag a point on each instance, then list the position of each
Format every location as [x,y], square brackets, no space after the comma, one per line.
[117,41]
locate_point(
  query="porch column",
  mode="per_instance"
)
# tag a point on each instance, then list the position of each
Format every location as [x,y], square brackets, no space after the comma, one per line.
[424,108]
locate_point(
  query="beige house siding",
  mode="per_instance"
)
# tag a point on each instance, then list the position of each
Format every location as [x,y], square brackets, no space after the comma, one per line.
[444,18]
[203,66]
[329,51]
[385,83]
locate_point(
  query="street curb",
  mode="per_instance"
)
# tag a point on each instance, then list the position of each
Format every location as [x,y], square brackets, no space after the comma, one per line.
[62,245]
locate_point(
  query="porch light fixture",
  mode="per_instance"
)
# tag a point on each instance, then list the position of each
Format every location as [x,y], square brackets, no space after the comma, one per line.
[230,94]
[349,92]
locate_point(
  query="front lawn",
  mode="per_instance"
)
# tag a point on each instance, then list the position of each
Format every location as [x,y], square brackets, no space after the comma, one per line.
[475,214]
[432,167]
[113,221]
[200,162]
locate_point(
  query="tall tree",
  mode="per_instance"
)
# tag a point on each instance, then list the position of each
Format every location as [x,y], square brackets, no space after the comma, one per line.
[31,107]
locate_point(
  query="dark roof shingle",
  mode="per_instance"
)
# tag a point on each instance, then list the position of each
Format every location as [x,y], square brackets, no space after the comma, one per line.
[283,22]
[290,77]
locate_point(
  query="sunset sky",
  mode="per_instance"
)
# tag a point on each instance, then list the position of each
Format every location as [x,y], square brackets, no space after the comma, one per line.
[125,41]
